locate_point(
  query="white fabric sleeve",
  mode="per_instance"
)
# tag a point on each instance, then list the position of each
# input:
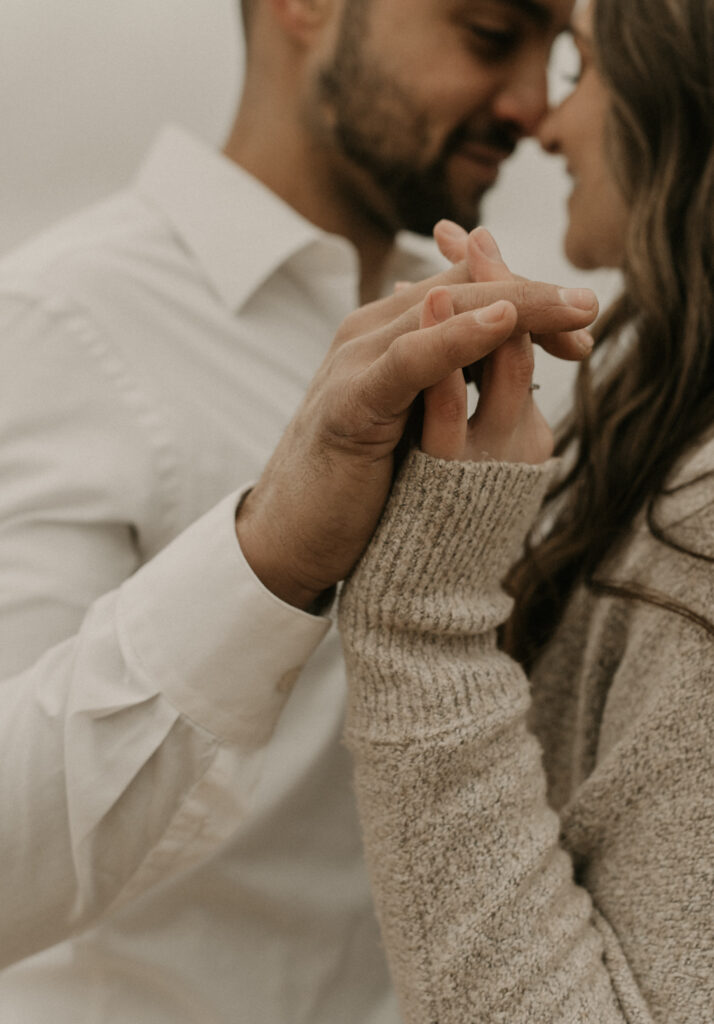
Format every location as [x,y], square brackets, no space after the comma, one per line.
[133,704]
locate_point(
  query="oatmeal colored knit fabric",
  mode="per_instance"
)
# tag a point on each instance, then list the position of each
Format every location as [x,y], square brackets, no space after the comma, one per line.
[543,860]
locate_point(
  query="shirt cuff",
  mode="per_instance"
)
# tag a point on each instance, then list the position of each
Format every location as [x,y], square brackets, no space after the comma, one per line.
[201,627]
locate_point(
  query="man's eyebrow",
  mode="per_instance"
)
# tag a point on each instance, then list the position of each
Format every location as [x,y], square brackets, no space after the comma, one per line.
[538,13]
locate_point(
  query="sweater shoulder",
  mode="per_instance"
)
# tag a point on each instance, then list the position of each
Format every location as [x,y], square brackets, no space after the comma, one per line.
[684,511]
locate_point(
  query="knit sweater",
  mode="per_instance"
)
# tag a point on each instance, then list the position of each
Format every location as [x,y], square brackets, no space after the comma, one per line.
[541,857]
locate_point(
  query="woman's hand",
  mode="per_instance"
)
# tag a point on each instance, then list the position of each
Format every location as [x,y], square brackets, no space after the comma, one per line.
[507,424]
[453,241]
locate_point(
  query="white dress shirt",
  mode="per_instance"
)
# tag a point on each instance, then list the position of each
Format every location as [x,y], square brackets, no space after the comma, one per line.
[178,836]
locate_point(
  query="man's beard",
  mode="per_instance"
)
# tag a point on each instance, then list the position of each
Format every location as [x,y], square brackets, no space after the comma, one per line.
[378,127]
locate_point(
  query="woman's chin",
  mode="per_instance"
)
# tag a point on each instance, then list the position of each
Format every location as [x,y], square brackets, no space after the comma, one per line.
[594,237]
[581,252]
[575,256]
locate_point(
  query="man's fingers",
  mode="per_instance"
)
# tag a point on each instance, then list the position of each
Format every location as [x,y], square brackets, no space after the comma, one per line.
[541,308]
[547,312]
[569,345]
[424,357]
[407,298]
[437,308]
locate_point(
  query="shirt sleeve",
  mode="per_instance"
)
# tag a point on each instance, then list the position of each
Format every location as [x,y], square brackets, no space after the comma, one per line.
[135,699]
[479,902]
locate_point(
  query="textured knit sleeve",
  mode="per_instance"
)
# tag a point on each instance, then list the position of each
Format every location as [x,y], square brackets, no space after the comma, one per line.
[480,915]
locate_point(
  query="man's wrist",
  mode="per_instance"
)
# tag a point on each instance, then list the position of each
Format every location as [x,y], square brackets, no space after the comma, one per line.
[265,555]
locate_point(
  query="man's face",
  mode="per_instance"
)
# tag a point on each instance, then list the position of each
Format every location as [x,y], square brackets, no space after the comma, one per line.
[425,98]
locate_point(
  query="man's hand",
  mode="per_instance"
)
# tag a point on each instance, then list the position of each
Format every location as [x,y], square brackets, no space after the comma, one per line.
[315,507]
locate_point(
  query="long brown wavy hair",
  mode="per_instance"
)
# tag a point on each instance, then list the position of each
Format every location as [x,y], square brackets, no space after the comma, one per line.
[649,391]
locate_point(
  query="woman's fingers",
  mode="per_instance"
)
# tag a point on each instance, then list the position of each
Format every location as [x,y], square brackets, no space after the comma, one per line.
[484,259]
[445,403]
[507,424]
[505,386]
[456,245]
[513,367]
[451,240]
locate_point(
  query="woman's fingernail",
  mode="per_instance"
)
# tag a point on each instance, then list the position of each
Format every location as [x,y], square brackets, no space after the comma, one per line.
[578,298]
[399,286]
[585,341]
[487,245]
[491,314]
[450,228]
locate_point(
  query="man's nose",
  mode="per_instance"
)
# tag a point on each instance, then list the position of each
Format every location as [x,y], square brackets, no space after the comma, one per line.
[523,98]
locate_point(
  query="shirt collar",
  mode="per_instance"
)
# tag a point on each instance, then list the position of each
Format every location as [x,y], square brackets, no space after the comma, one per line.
[239,231]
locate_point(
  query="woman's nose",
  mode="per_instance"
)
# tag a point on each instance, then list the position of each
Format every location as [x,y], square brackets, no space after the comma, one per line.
[547,133]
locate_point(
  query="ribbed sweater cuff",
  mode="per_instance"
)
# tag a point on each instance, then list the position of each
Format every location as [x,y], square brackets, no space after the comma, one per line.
[432,576]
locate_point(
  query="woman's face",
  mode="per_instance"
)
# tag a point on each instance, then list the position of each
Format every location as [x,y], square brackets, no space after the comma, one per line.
[575,130]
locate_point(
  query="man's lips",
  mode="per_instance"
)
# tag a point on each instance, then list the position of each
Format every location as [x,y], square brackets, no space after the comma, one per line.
[490,156]
[484,161]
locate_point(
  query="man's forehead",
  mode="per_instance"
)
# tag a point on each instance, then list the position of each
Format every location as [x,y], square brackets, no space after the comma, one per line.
[550,14]
[547,16]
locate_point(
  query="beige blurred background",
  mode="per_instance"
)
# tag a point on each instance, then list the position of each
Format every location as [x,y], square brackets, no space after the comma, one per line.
[85,85]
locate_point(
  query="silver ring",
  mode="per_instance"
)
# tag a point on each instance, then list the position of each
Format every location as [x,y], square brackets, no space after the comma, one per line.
[533,386]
